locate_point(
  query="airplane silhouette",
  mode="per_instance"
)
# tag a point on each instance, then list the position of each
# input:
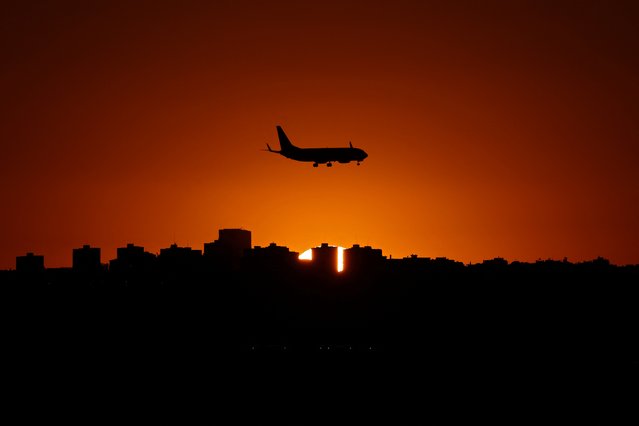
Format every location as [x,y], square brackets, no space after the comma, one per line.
[317,155]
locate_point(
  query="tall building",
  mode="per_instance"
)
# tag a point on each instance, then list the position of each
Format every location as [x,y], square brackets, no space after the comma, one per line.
[229,248]
[325,258]
[86,260]
[233,241]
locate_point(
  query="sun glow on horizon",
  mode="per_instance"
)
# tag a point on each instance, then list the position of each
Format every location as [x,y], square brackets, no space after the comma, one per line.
[308,255]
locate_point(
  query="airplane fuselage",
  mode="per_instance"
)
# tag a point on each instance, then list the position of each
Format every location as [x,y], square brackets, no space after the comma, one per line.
[317,155]
[325,155]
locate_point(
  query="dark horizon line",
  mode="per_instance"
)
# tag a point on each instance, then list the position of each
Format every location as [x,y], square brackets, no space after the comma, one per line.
[354,246]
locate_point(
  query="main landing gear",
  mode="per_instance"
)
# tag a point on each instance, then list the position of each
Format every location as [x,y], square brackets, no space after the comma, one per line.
[329,164]
[314,164]
[358,163]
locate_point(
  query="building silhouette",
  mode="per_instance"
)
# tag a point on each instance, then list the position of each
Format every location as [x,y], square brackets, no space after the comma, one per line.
[272,257]
[86,260]
[180,255]
[179,261]
[359,259]
[324,259]
[132,260]
[415,305]
[30,264]
[228,249]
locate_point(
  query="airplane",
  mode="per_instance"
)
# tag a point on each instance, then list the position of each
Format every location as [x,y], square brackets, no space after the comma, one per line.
[317,155]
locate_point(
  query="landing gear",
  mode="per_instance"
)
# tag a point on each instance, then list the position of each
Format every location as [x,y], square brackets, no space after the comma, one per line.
[314,164]
[358,163]
[329,164]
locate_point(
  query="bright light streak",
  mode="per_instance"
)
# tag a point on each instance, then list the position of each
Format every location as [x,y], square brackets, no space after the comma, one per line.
[308,255]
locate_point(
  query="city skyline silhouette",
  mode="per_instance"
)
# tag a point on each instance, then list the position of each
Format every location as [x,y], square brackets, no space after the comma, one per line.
[180,319]
[37,261]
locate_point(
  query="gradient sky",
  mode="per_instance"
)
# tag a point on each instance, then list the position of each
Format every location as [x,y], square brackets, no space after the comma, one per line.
[504,128]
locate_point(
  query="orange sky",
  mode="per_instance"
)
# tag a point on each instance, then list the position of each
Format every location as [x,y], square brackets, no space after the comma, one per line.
[492,129]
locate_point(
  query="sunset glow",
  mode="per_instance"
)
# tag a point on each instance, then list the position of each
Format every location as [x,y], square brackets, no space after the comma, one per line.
[308,255]
[492,128]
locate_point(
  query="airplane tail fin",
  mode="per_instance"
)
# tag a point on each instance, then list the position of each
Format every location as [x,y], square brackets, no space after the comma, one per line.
[285,144]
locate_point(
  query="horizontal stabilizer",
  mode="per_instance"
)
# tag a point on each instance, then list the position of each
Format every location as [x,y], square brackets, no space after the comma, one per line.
[271,150]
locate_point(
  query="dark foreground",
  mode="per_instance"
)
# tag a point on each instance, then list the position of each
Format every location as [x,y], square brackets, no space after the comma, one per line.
[544,332]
